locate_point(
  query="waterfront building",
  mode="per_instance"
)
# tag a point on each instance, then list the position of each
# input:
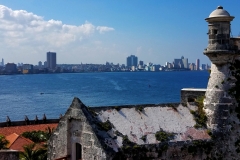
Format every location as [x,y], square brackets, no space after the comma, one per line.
[27,68]
[185,62]
[180,63]
[45,64]
[192,66]
[132,61]
[141,63]
[51,60]
[11,68]
[204,67]
[40,64]
[2,62]
[197,64]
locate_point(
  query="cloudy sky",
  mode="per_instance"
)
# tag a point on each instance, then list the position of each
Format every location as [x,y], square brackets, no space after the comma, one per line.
[98,31]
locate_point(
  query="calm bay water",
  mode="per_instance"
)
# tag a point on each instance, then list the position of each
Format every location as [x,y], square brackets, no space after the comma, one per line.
[20,94]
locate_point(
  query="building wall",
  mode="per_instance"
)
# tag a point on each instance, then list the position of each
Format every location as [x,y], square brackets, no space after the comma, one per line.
[9,155]
[74,128]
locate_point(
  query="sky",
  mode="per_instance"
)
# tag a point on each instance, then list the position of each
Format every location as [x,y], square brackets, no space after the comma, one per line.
[93,31]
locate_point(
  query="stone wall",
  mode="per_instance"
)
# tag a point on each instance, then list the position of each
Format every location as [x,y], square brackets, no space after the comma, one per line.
[9,155]
[73,130]
[189,94]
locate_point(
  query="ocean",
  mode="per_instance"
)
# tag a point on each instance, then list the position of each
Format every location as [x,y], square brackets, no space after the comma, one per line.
[52,94]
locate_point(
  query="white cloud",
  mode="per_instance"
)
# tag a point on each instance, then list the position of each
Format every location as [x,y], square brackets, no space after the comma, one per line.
[19,28]
[103,29]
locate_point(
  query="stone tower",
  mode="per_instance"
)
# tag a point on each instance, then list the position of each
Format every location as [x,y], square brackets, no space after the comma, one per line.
[221,52]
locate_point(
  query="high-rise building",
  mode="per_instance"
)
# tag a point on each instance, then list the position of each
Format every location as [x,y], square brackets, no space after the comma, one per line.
[197,64]
[132,61]
[204,67]
[45,64]
[51,60]
[180,63]
[185,62]
[141,63]
[2,62]
[40,64]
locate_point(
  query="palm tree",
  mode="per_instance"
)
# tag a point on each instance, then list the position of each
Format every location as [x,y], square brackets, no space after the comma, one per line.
[33,153]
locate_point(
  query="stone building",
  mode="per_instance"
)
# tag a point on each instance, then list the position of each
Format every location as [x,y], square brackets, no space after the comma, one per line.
[204,125]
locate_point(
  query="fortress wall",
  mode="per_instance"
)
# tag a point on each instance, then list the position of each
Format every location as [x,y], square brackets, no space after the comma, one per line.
[189,94]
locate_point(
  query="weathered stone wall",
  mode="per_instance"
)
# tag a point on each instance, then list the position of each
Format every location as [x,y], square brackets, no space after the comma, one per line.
[9,155]
[218,101]
[189,94]
[74,128]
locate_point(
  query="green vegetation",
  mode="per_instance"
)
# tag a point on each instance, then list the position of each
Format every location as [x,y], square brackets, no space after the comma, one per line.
[139,108]
[106,126]
[199,114]
[3,142]
[144,138]
[32,152]
[38,149]
[39,136]
[164,136]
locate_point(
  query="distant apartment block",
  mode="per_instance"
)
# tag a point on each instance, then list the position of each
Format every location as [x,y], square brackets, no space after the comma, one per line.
[132,61]
[27,68]
[11,68]
[51,60]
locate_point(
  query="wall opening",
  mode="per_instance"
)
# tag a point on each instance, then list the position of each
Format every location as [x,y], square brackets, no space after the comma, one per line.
[191,99]
[78,151]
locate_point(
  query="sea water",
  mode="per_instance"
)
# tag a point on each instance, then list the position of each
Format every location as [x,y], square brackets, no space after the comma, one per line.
[52,94]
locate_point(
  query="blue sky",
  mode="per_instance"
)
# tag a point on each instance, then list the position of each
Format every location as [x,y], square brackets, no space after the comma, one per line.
[90,31]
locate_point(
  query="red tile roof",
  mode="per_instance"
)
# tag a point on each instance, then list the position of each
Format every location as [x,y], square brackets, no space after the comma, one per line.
[20,129]
[17,142]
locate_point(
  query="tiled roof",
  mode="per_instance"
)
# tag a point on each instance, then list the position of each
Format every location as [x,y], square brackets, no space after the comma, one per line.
[17,142]
[20,129]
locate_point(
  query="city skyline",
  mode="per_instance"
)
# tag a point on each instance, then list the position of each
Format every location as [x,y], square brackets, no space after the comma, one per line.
[115,30]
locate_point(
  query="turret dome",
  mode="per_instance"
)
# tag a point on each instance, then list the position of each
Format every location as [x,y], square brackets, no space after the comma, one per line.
[219,12]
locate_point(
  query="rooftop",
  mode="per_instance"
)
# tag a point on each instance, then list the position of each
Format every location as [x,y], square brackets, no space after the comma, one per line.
[20,129]
[219,12]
